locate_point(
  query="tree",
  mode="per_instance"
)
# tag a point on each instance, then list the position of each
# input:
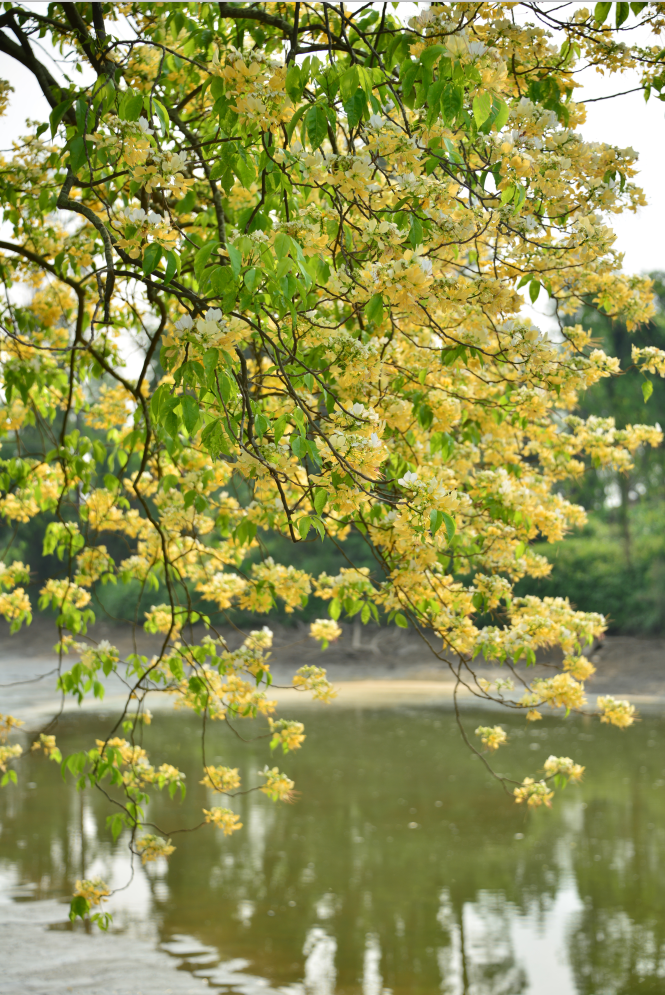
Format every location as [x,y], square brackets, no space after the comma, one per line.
[313,225]
[624,399]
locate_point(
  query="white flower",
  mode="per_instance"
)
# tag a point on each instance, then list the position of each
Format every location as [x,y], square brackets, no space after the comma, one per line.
[144,126]
[154,219]
[133,214]
[476,48]
[374,440]
[358,410]
[376,121]
[425,265]
[184,324]
[409,479]
[214,314]
[175,162]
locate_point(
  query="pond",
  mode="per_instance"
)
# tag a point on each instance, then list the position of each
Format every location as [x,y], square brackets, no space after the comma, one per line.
[400,868]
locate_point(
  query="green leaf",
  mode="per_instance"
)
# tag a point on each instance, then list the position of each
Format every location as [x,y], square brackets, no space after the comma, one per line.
[348,83]
[434,99]
[131,106]
[356,108]
[365,614]
[283,245]
[430,55]
[162,114]
[401,621]
[316,124]
[397,49]
[78,907]
[304,526]
[482,108]
[502,114]
[622,12]
[436,521]
[601,11]
[298,446]
[252,279]
[58,112]
[278,428]
[647,390]
[320,498]
[294,84]
[261,424]
[9,775]
[151,257]
[202,256]
[452,101]
[451,528]
[374,309]
[236,259]
[416,231]
[172,267]
[295,120]
[534,290]
[76,153]
[190,411]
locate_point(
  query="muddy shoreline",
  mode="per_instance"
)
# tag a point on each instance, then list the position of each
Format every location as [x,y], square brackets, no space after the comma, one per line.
[370,666]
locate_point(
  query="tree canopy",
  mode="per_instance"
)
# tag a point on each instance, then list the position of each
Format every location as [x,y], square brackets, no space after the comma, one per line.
[263,266]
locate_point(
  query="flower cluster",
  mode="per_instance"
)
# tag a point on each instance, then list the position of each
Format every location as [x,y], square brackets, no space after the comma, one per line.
[151,847]
[492,737]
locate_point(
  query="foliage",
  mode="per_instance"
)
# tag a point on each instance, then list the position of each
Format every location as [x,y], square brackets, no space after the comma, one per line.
[312,227]
[591,567]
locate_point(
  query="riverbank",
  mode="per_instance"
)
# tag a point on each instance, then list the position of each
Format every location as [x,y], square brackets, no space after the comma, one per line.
[369,666]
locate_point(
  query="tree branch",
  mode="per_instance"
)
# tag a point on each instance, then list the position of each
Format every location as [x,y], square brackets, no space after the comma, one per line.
[65,203]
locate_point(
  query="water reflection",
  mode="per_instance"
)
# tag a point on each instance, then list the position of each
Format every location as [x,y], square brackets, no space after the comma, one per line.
[400,870]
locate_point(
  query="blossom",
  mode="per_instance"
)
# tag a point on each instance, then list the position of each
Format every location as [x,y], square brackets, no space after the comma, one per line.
[314,679]
[224,819]
[565,766]
[151,847]
[492,736]
[9,753]
[325,631]
[534,793]
[221,779]
[287,733]
[617,713]
[184,323]
[94,890]
[278,786]
[7,723]
[47,744]
[409,479]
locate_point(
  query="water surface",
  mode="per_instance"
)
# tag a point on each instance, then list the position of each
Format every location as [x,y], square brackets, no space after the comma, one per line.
[401,868]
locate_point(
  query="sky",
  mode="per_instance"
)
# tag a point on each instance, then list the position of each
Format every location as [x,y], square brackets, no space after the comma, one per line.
[624,121]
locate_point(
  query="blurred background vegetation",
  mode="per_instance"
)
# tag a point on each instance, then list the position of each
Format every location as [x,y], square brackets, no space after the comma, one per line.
[614,565]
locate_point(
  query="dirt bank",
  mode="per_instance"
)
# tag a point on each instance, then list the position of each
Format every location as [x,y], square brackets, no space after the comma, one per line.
[369,665]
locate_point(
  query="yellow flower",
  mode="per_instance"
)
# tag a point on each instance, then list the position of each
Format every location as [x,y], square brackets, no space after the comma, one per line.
[221,779]
[278,786]
[617,713]
[152,847]
[95,891]
[325,631]
[534,793]
[224,819]
[492,736]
